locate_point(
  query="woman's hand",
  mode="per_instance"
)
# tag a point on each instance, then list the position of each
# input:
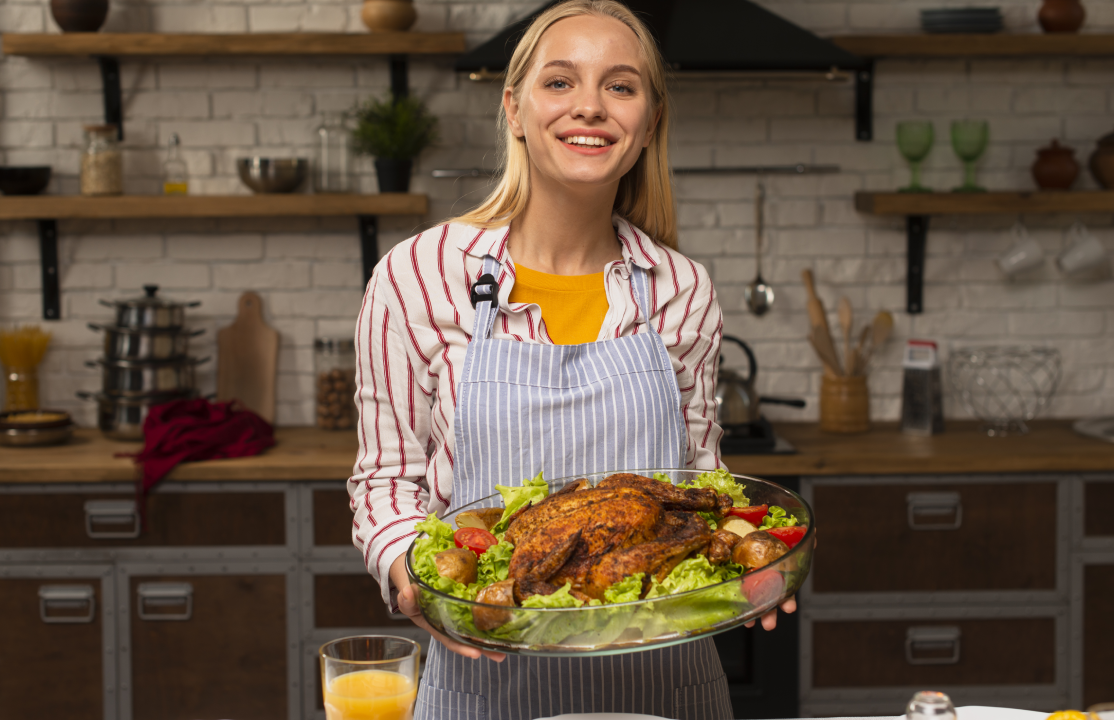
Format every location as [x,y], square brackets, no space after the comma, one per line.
[408,604]
[769,620]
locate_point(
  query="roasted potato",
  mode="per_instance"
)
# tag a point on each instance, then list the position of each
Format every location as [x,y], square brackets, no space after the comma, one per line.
[758,549]
[484,518]
[737,525]
[500,593]
[456,564]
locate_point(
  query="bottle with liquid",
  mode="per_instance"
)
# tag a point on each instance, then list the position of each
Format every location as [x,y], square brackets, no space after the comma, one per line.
[175,179]
[332,173]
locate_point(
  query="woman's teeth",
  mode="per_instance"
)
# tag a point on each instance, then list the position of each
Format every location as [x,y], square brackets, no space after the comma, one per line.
[590,141]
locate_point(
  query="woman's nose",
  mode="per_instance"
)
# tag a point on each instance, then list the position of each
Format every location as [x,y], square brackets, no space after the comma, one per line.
[589,106]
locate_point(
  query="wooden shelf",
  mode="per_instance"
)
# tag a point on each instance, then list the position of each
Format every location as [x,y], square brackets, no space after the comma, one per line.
[990,203]
[159,206]
[979,45]
[151,44]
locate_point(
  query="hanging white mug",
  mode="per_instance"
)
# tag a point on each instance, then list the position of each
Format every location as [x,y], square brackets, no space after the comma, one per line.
[1025,253]
[1085,252]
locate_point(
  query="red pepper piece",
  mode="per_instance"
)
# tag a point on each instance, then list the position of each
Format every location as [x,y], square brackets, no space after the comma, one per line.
[789,535]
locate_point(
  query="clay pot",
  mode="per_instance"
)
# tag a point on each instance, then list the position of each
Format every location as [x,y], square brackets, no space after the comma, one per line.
[79,15]
[388,15]
[1102,162]
[1055,167]
[1061,16]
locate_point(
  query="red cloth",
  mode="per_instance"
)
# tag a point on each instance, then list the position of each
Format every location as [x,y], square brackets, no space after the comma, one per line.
[188,430]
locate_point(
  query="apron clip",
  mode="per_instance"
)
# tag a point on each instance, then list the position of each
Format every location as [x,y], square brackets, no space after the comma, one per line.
[485,289]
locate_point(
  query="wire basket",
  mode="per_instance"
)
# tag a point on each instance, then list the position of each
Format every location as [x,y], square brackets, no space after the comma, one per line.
[1005,386]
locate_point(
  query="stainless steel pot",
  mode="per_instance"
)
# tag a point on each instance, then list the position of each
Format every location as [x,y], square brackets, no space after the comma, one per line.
[132,378]
[122,343]
[149,311]
[122,418]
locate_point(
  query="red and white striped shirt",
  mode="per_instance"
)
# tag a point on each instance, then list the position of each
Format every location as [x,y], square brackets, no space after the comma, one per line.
[411,338]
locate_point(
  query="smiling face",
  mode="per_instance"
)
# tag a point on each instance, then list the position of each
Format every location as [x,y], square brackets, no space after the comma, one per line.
[584,107]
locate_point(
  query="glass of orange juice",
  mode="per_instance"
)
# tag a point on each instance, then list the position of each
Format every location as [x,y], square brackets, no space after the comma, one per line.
[370,677]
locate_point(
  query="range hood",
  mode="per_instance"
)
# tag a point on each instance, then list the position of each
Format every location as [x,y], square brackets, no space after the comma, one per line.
[701,35]
[712,36]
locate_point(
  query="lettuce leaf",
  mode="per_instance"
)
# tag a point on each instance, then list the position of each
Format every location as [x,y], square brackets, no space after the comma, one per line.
[439,537]
[628,589]
[692,574]
[722,482]
[560,599]
[777,517]
[516,497]
[494,564]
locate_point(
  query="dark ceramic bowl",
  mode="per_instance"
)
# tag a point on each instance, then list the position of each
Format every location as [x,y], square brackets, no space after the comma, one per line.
[24,180]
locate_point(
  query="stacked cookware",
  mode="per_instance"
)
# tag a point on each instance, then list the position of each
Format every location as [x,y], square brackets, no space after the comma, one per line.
[145,362]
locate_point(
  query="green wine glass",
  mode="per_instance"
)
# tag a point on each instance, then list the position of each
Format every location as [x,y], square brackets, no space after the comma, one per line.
[914,140]
[969,138]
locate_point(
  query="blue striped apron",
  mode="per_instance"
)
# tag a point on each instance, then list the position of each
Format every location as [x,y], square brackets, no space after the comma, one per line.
[568,410]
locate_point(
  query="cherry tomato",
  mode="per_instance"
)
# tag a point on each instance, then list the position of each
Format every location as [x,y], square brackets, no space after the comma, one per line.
[789,535]
[475,539]
[762,587]
[752,515]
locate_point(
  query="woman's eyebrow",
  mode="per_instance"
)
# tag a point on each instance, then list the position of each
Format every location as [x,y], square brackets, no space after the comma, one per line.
[570,65]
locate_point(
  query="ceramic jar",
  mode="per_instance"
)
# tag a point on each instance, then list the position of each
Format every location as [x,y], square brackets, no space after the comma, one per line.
[388,15]
[1061,16]
[1102,162]
[79,15]
[1055,167]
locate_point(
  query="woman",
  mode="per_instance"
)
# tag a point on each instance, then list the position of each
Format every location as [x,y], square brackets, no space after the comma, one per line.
[567,370]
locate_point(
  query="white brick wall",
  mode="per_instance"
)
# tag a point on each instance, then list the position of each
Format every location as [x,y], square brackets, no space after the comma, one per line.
[307,270]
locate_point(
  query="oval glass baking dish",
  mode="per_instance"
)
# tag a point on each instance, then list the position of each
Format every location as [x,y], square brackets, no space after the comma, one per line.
[632,626]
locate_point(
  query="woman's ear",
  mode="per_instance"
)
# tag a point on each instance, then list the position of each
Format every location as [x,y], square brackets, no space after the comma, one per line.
[511,108]
[652,128]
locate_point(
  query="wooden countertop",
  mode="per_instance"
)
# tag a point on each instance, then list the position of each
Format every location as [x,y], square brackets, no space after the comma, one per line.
[311,454]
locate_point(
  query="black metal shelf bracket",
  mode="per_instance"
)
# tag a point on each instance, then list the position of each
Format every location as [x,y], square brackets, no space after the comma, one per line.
[369,244]
[113,101]
[48,259]
[864,103]
[916,234]
[400,83]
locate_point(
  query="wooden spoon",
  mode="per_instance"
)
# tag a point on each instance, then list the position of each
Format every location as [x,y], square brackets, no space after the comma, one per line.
[880,329]
[822,344]
[846,319]
[818,319]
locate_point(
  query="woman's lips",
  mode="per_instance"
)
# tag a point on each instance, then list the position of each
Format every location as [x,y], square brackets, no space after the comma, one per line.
[585,149]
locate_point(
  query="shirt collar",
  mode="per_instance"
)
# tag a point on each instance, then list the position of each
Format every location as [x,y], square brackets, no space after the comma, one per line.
[637,247]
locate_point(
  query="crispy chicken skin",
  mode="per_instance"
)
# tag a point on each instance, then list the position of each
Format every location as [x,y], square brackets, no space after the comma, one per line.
[595,537]
[671,496]
[719,550]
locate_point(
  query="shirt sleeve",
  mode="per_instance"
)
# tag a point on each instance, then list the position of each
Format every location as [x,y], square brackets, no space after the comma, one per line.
[691,327]
[388,489]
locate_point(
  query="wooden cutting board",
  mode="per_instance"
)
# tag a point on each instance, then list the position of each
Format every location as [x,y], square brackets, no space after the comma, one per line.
[248,359]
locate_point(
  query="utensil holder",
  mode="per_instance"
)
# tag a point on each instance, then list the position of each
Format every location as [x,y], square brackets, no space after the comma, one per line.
[844,404]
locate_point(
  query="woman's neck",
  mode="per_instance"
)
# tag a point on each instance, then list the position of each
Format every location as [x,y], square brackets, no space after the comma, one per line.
[565,233]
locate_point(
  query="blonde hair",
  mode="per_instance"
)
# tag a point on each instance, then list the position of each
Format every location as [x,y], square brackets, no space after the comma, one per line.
[645,196]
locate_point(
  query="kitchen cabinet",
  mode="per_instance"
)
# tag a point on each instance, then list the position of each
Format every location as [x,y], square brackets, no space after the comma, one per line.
[1098,631]
[957,583]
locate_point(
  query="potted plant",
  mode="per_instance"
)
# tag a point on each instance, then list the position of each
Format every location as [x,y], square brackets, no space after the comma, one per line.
[394,132]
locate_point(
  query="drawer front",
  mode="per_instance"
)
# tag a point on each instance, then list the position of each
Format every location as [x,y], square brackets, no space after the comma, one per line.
[1098,509]
[1098,634]
[52,667]
[933,653]
[61,520]
[350,601]
[222,655]
[332,518]
[902,538]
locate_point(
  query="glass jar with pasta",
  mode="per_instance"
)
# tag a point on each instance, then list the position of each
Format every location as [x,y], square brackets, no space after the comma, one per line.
[102,164]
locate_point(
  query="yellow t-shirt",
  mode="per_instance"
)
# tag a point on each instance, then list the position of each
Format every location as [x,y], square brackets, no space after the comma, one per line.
[573,306]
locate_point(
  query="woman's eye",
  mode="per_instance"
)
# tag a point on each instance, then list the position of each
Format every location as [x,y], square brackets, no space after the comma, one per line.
[622,89]
[556,84]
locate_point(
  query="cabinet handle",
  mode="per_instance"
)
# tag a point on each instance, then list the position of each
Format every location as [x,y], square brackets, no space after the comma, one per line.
[156,595]
[67,597]
[932,639]
[934,510]
[120,517]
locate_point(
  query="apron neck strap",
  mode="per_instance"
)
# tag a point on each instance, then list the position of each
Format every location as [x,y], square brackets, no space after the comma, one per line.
[486,310]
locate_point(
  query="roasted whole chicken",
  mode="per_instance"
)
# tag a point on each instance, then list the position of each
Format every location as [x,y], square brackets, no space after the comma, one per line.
[593,537]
